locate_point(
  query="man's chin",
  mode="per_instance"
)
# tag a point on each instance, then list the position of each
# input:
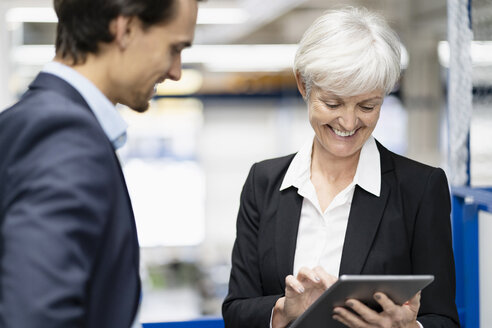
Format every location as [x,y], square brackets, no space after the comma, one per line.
[140,108]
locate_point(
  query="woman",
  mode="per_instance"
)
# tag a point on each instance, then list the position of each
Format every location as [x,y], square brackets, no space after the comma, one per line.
[343,204]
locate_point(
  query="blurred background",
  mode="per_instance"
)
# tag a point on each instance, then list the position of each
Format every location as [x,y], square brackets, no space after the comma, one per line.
[237,103]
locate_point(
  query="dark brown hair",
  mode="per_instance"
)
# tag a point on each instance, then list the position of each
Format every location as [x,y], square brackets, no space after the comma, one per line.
[84,24]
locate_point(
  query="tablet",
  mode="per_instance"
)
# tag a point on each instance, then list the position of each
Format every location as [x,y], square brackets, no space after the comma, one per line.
[362,287]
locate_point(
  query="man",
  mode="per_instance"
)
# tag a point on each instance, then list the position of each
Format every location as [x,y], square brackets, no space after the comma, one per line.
[68,247]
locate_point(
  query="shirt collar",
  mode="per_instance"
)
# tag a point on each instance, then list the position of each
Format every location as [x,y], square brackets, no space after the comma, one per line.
[299,170]
[106,114]
[367,175]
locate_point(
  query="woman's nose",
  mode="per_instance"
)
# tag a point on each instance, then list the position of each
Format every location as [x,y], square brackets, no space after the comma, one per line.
[348,119]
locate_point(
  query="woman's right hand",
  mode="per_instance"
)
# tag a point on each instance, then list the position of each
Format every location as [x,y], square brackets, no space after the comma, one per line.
[300,292]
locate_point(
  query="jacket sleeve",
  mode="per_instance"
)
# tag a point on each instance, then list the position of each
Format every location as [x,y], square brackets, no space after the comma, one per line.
[55,206]
[245,306]
[432,253]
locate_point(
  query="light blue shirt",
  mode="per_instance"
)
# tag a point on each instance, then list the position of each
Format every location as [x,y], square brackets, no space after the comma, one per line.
[108,117]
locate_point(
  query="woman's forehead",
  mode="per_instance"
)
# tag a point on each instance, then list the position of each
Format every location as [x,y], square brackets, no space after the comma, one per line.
[372,95]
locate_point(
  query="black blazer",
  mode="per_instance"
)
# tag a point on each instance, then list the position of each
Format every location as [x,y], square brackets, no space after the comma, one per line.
[68,250]
[404,231]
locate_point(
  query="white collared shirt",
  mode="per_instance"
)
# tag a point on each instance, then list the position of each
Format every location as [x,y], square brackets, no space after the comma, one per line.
[106,114]
[321,234]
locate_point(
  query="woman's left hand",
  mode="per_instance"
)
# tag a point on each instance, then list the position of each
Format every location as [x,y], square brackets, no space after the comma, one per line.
[392,316]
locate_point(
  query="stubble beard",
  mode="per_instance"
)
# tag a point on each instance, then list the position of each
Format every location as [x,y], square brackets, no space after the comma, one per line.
[141,108]
[140,104]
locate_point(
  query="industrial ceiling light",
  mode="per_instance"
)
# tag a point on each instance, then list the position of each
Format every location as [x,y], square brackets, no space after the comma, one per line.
[205,15]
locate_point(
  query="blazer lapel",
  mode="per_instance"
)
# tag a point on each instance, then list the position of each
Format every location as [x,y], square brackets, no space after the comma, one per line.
[365,214]
[288,216]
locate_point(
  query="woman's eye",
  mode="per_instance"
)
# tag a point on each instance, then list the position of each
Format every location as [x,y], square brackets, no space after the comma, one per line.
[333,105]
[367,107]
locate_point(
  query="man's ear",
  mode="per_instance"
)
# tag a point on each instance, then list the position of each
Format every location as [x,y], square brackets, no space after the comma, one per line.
[123,29]
[301,84]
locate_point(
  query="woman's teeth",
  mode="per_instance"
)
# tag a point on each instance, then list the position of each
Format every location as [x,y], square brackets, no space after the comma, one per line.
[343,133]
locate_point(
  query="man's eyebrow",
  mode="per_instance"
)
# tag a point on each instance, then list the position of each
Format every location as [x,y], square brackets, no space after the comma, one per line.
[183,44]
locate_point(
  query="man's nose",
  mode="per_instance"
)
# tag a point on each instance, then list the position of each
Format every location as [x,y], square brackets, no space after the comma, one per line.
[175,69]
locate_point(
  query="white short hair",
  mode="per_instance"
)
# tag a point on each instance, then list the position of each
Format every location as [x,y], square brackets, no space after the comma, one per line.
[349,52]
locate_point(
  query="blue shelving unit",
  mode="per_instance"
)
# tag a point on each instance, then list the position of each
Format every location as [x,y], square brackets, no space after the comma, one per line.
[467,202]
[200,323]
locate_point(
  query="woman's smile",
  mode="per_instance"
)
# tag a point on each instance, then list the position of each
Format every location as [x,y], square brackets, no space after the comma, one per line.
[342,133]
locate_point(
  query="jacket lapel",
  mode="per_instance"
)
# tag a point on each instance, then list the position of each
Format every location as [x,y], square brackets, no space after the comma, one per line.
[366,213]
[288,216]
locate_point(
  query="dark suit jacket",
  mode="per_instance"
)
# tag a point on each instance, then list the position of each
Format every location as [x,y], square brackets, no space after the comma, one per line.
[69,253]
[404,231]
